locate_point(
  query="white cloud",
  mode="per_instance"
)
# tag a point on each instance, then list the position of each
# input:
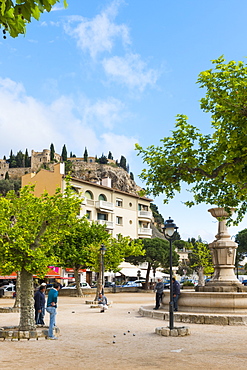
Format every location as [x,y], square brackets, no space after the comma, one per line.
[107,112]
[26,122]
[99,34]
[118,144]
[130,71]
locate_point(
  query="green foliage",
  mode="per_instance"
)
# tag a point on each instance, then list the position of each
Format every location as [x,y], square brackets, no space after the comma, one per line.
[64,154]
[188,283]
[30,226]
[156,254]
[122,163]
[9,184]
[68,167]
[27,159]
[158,218]
[110,156]
[241,239]
[215,163]
[52,152]
[85,155]
[117,250]
[132,176]
[102,159]
[200,257]
[75,248]
[14,15]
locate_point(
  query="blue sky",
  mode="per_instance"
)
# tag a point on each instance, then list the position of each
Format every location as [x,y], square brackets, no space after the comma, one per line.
[107,74]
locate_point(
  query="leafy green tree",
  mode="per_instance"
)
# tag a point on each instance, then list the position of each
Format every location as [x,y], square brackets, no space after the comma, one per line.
[241,240]
[20,160]
[9,184]
[122,163]
[74,249]
[110,156]
[215,164]
[64,154]
[29,227]
[201,260]
[157,254]
[85,155]
[117,250]
[158,218]
[184,267]
[102,159]
[52,152]
[11,160]
[27,159]
[6,176]
[15,15]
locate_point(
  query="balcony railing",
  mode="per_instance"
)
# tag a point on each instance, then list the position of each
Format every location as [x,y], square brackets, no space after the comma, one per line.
[145,214]
[144,231]
[109,224]
[104,205]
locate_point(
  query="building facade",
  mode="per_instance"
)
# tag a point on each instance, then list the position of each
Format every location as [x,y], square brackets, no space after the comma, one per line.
[122,213]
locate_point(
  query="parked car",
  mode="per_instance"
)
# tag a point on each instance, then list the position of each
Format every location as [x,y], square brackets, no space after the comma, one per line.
[135,283]
[82,285]
[244,282]
[9,288]
[109,284]
[166,284]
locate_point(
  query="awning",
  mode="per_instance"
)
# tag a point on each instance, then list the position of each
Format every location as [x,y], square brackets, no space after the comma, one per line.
[11,276]
[50,274]
[72,270]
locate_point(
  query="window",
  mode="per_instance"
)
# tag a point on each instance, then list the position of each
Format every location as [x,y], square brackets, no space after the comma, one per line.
[119,202]
[88,194]
[88,215]
[119,220]
[142,207]
[102,216]
[102,197]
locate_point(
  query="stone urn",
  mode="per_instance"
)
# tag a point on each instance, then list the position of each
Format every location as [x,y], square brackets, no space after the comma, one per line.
[223,251]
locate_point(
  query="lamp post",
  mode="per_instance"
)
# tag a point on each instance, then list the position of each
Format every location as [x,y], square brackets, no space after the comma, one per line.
[102,269]
[170,229]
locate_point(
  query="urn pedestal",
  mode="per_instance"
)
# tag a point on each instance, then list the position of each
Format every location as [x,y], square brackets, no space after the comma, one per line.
[224,293]
[223,251]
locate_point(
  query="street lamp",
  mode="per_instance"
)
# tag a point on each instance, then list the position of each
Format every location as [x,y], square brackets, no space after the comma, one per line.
[169,231]
[102,269]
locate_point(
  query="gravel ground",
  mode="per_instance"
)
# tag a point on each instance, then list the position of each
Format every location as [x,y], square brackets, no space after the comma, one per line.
[87,337]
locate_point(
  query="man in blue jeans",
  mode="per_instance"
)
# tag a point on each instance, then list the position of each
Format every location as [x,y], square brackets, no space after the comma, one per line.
[52,308]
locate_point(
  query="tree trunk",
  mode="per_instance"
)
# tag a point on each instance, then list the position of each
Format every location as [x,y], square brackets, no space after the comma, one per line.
[27,321]
[77,281]
[99,287]
[201,281]
[147,276]
[18,290]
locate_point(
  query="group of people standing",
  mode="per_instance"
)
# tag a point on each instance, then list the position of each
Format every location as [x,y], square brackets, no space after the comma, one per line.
[50,307]
[159,288]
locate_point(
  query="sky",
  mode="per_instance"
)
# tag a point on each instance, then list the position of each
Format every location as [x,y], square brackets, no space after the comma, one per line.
[106,74]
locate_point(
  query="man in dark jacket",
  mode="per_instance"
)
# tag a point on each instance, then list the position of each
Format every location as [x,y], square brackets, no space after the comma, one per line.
[176,293]
[39,305]
[159,287]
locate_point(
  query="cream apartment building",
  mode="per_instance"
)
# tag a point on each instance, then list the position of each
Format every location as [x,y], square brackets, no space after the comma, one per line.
[122,213]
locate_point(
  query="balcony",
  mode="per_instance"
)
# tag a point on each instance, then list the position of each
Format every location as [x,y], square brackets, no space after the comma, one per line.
[145,215]
[109,224]
[144,231]
[104,206]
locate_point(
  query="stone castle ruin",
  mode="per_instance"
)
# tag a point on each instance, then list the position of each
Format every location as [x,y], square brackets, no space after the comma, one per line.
[91,170]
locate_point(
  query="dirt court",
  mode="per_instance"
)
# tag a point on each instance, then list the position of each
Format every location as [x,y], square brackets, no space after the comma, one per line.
[87,336]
